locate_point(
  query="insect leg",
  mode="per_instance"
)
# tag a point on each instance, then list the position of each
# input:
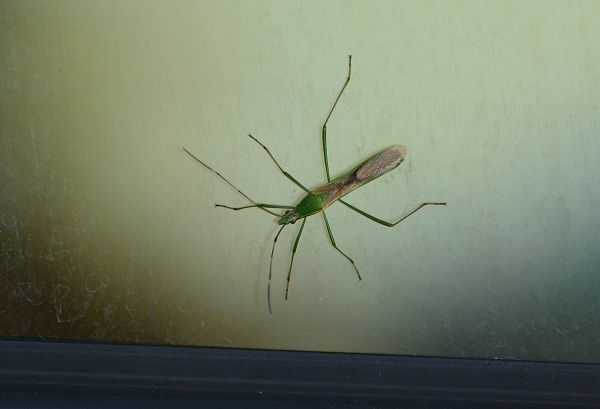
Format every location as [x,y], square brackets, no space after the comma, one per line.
[336,247]
[290,177]
[324,132]
[388,224]
[262,207]
[271,269]
[287,286]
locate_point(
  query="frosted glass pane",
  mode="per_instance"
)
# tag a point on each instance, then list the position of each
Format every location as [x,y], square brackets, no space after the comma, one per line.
[109,230]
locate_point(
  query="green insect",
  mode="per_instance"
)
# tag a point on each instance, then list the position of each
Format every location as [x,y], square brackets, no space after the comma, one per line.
[320,198]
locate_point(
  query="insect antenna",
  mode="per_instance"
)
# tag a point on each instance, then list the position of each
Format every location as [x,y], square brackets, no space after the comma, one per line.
[230,184]
[271,269]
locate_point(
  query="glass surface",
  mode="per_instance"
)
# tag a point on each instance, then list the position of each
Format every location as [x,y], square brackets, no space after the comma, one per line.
[109,231]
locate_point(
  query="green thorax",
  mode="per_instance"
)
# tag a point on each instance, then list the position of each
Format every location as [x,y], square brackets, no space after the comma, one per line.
[311,203]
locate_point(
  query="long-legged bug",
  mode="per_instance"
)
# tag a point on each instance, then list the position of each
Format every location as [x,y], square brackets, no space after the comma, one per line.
[318,199]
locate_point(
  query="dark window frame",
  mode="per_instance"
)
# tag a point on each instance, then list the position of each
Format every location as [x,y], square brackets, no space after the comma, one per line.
[51,370]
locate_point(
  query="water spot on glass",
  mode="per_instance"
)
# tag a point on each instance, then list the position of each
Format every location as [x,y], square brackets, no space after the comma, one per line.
[225,342]
[68,308]
[30,292]
[29,251]
[96,282]
[61,235]
[109,310]
[9,220]
[566,323]
[14,257]
[133,305]
[55,251]
[135,326]
[64,274]
[61,291]
[55,213]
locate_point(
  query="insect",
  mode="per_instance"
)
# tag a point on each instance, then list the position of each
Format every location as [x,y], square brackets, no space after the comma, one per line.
[318,199]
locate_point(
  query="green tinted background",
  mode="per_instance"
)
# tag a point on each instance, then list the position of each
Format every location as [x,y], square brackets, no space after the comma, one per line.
[109,231]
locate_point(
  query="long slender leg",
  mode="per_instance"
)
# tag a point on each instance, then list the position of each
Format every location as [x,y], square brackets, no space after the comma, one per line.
[290,177]
[336,247]
[271,268]
[262,207]
[324,132]
[287,286]
[388,224]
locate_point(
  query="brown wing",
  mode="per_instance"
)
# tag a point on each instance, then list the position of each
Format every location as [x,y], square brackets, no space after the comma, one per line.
[381,163]
[377,165]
